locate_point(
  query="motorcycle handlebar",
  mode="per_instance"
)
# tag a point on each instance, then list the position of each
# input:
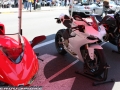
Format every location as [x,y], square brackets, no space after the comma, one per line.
[56,18]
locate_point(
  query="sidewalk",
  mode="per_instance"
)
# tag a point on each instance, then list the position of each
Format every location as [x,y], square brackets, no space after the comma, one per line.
[15,10]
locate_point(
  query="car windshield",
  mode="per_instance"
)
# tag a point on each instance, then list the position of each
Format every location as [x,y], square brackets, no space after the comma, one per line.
[86,2]
[112,2]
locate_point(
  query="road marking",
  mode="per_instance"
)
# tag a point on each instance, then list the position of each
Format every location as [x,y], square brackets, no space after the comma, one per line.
[59,72]
[44,44]
[103,43]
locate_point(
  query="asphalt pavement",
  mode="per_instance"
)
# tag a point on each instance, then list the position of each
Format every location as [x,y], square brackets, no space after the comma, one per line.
[47,8]
[57,72]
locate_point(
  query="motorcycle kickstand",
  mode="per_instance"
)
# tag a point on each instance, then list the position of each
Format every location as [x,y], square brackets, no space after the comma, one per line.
[99,79]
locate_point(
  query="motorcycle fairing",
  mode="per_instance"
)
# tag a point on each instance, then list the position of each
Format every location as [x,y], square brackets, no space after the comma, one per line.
[79,40]
[21,73]
[106,18]
[91,31]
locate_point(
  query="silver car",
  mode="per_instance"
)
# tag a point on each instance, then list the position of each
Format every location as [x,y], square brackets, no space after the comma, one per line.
[113,5]
[85,8]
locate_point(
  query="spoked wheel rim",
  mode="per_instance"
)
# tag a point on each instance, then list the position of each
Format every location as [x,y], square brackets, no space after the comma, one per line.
[59,43]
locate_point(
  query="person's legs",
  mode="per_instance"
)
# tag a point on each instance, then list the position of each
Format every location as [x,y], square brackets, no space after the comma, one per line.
[49,3]
[40,3]
[56,3]
[27,5]
[0,5]
[62,3]
[30,5]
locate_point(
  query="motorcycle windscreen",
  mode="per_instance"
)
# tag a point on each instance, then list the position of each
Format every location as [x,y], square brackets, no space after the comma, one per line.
[12,46]
[94,23]
[86,2]
[91,21]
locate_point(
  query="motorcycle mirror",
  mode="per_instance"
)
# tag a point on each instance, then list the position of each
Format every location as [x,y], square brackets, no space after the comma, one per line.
[58,21]
[37,40]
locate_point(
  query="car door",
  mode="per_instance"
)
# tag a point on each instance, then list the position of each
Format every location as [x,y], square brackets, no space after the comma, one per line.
[117,8]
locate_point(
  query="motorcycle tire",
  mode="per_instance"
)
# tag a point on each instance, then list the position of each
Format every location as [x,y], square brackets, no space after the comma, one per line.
[95,67]
[59,46]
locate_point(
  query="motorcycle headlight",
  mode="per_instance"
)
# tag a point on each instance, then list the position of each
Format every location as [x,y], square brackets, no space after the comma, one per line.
[14,53]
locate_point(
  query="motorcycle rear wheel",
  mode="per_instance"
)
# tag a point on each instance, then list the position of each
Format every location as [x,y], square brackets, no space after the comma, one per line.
[97,66]
[58,42]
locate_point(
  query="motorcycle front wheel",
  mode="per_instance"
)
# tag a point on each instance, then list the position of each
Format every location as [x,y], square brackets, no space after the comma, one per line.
[58,42]
[97,66]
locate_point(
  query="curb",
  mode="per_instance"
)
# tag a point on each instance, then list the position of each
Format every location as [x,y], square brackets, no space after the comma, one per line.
[37,10]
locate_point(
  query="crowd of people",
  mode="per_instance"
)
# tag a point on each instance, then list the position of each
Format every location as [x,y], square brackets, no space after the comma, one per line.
[29,3]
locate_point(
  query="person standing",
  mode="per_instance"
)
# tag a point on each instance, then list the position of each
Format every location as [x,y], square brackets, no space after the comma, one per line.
[105,6]
[29,4]
[40,3]
[65,2]
[1,2]
[50,2]
[25,2]
[98,1]
[62,2]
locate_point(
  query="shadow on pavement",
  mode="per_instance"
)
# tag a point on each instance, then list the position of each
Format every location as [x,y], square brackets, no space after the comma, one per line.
[80,82]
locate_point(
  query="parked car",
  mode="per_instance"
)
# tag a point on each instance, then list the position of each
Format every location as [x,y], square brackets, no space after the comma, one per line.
[7,3]
[113,5]
[85,8]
